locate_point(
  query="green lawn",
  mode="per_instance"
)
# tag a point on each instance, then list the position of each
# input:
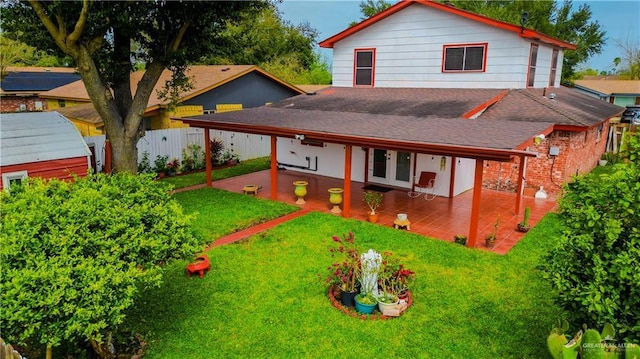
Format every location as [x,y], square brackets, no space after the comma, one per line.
[244,167]
[263,298]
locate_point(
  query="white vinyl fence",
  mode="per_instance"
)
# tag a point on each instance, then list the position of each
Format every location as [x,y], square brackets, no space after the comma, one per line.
[171,142]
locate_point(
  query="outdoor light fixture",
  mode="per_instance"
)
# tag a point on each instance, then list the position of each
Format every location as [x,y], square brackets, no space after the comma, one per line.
[538,138]
[299,137]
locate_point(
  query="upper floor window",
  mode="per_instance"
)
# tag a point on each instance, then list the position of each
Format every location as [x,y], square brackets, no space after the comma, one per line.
[471,57]
[13,178]
[533,59]
[364,66]
[62,103]
[554,68]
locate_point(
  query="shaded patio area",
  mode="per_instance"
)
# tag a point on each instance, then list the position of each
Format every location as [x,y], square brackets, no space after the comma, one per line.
[440,218]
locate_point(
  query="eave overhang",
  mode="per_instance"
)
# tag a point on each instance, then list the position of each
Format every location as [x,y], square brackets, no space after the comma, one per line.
[491,154]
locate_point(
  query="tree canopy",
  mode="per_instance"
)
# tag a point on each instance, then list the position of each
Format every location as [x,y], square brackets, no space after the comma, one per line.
[277,45]
[16,53]
[98,36]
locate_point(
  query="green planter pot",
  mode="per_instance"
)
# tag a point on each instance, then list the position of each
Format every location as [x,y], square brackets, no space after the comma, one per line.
[365,308]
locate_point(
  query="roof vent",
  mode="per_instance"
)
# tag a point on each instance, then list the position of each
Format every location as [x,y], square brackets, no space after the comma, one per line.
[225,69]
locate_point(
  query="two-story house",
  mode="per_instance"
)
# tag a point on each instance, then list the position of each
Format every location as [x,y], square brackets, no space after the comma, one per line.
[427,87]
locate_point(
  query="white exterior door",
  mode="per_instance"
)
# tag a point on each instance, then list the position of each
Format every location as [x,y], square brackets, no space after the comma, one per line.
[390,167]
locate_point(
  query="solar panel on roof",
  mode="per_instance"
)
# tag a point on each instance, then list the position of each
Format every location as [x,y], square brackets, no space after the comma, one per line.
[37,81]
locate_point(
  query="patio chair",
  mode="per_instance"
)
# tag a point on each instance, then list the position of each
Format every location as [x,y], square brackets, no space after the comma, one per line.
[426,184]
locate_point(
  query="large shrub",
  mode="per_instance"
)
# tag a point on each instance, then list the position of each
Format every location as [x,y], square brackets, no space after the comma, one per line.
[74,255]
[595,268]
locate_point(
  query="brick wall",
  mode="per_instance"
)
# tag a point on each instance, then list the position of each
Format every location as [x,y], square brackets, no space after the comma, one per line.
[10,104]
[578,154]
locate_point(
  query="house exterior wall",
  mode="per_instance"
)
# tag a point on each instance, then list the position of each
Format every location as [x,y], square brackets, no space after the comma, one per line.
[330,158]
[250,90]
[62,169]
[579,153]
[409,53]
[53,104]
[88,129]
[10,104]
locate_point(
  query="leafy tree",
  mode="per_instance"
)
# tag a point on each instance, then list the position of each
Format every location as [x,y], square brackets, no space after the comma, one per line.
[98,36]
[278,46]
[75,255]
[630,60]
[16,53]
[595,268]
[368,8]
[372,7]
[563,22]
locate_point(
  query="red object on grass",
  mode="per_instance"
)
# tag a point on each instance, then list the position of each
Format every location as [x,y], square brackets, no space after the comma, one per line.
[200,265]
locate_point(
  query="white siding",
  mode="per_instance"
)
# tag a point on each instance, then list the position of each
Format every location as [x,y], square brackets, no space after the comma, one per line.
[409,48]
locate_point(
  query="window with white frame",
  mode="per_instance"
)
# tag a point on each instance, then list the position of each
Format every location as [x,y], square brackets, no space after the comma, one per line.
[13,178]
[364,66]
[470,57]
[533,60]
[554,68]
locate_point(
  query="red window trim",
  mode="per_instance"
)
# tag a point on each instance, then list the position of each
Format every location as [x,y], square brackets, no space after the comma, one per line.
[373,65]
[484,56]
[553,72]
[529,65]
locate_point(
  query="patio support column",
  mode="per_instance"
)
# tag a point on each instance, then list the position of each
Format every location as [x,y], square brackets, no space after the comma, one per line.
[347,181]
[475,203]
[366,166]
[523,164]
[207,156]
[452,182]
[274,168]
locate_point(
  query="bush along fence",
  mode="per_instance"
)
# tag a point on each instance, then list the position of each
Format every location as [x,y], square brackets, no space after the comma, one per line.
[181,143]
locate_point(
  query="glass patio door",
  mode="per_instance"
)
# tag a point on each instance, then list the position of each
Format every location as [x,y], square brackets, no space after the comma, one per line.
[390,167]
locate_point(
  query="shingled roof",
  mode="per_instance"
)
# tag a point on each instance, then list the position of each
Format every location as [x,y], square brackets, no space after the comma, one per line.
[420,115]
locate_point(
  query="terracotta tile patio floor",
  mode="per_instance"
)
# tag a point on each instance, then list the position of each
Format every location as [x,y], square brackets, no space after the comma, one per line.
[440,218]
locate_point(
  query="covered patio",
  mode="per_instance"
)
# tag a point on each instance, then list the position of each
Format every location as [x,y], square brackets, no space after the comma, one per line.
[440,218]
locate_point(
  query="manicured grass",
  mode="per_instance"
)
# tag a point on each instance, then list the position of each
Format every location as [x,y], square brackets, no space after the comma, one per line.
[244,167]
[263,298]
[220,212]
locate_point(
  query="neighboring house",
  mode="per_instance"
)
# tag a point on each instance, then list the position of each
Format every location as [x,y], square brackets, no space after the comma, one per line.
[617,92]
[21,87]
[214,88]
[40,144]
[424,86]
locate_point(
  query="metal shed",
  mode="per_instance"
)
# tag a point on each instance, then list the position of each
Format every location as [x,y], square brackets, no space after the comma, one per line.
[40,144]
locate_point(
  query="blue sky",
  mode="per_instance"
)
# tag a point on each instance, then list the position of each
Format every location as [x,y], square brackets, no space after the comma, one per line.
[620,20]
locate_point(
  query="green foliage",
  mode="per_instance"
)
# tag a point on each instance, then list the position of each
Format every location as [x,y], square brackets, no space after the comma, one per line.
[558,20]
[592,345]
[595,268]
[16,53]
[192,158]
[145,165]
[160,163]
[75,255]
[280,47]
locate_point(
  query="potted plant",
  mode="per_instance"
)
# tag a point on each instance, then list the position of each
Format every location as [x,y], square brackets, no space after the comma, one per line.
[161,165]
[524,225]
[173,166]
[490,239]
[373,200]
[460,239]
[387,283]
[344,274]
